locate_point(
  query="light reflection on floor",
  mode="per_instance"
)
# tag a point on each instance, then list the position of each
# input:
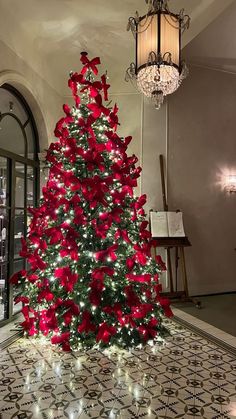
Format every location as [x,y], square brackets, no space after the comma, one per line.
[187,378]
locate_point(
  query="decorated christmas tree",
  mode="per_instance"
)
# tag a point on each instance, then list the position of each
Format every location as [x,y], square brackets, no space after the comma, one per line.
[91,278]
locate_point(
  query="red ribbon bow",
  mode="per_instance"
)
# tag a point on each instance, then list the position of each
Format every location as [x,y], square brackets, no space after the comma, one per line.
[102,255]
[67,278]
[105,332]
[105,86]
[97,107]
[92,64]
[86,325]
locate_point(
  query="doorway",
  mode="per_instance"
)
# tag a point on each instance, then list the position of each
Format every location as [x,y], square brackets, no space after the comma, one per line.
[19,178]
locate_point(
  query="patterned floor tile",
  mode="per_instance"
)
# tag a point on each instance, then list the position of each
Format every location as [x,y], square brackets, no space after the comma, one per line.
[189,377]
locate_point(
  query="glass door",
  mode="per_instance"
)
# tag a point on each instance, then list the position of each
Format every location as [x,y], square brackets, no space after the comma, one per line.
[17,193]
[19,175]
[19,209]
[4,234]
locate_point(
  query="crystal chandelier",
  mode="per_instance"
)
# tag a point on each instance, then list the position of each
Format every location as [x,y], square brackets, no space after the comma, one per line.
[158,69]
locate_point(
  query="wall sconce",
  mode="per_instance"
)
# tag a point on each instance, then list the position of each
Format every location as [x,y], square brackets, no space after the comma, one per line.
[230,183]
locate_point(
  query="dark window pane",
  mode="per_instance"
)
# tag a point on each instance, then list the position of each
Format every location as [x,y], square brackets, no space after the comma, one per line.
[19,231]
[11,136]
[3,181]
[3,235]
[20,192]
[30,140]
[3,291]
[18,265]
[30,186]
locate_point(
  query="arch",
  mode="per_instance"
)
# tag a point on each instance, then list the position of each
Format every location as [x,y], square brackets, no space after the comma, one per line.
[18,81]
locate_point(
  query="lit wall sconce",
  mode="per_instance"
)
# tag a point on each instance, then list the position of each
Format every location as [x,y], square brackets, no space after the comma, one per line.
[230,183]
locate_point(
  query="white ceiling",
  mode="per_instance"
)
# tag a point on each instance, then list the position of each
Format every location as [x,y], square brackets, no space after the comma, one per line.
[49,34]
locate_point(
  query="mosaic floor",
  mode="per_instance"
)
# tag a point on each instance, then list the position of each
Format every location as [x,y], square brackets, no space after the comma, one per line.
[187,378]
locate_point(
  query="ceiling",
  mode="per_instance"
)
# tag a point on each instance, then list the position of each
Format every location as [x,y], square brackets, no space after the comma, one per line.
[215,47]
[49,34]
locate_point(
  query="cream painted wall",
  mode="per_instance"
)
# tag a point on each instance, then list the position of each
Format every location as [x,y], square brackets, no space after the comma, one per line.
[45,102]
[200,137]
[202,149]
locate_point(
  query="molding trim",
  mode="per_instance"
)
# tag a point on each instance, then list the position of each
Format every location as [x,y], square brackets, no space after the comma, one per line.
[206,67]
[218,342]
[18,81]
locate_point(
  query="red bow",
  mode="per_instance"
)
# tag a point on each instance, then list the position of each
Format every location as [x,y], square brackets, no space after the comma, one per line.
[132,298]
[139,278]
[61,129]
[57,339]
[141,311]
[89,64]
[101,229]
[99,273]
[45,295]
[67,278]
[102,255]
[97,107]
[160,263]
[105,332]
[73,86]
[140,202]
[21,299]
[29,322]
[93,88]
[105,86]
[72,311]
[16,277]
[122,234]
[36,262]
[130,262]
[165,304]
[113,118]
[150,330]
[86,325]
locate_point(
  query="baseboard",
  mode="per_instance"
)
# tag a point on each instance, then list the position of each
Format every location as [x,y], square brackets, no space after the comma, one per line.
[13,338]
[212,295]
[227,347]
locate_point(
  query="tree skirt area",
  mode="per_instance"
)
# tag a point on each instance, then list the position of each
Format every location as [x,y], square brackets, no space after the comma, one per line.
[188,377]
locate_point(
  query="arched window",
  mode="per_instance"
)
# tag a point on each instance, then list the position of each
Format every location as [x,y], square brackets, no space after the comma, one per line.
[19,174]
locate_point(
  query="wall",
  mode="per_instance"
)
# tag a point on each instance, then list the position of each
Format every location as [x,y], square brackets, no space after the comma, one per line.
[197,135]
[45,102]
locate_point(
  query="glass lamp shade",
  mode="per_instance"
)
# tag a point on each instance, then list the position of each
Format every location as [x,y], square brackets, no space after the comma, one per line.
[160,33]
[158,55]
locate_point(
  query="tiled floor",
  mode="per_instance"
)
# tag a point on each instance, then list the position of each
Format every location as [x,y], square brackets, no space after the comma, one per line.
[189,377]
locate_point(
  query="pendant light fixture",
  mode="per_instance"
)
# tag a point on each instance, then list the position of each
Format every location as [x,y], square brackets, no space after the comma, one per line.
[158,69]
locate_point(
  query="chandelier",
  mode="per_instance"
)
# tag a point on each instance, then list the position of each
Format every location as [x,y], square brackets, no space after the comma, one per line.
[158,69]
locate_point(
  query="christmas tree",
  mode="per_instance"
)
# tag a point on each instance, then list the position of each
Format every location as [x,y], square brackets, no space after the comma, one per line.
[91,278]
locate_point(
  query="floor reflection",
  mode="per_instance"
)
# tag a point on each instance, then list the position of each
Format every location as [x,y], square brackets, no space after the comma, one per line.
[187,378]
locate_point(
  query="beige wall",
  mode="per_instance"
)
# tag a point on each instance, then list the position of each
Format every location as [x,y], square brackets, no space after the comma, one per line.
[45,102]
[199,137]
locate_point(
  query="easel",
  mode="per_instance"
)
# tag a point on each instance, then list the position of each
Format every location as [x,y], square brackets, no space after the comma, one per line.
[178,243]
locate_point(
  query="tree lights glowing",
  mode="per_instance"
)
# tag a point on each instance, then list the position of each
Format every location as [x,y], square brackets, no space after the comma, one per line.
[91,281]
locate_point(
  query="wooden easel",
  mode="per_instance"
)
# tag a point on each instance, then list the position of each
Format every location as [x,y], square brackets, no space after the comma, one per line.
[178,243]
